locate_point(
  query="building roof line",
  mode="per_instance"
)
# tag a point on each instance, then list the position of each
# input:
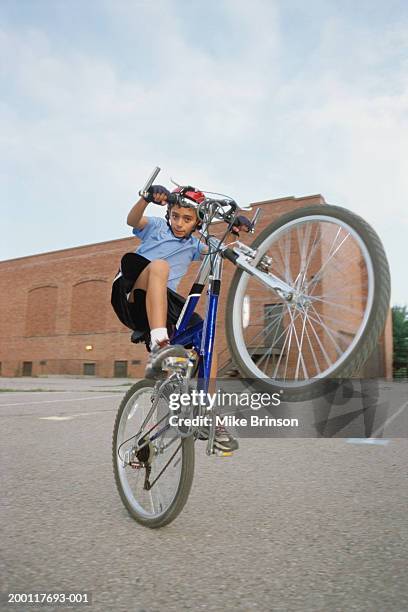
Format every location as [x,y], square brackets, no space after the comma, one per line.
[82,246]
[97,244]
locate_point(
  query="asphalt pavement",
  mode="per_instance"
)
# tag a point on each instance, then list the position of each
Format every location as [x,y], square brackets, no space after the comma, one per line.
[283,525]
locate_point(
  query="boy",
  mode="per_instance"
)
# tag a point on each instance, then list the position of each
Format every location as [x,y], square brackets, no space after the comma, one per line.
[144,291]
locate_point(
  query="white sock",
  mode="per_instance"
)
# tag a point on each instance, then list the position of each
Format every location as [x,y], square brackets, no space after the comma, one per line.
[157,335]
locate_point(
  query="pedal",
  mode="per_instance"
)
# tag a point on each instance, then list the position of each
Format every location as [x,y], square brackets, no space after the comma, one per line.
[174,363]
[220,453]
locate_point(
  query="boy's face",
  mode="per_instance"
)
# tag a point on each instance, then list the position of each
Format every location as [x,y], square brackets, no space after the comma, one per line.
[183,220]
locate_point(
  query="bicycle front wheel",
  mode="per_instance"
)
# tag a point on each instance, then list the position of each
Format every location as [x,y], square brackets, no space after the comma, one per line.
[153,466]
[338,271]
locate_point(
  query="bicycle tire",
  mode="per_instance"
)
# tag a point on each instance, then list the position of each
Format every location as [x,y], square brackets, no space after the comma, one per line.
[186,476]
[375,321]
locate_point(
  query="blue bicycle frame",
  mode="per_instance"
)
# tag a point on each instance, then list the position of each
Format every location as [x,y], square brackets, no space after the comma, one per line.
[202,335]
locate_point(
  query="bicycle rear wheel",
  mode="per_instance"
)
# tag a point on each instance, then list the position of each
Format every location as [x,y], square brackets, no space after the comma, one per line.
[338,271]
[153,466]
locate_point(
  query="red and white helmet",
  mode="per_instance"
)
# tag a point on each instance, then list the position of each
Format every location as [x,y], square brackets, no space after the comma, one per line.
[189,198]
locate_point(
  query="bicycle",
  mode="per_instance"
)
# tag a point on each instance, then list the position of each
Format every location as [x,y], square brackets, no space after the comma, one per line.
[292,326]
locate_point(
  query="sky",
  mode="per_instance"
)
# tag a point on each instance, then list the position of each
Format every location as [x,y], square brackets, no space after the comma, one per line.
[257,100]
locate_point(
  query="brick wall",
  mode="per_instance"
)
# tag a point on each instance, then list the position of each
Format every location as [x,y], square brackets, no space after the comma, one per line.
[55,311]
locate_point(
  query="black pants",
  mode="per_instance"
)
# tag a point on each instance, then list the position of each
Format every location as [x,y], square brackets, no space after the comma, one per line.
[134,314]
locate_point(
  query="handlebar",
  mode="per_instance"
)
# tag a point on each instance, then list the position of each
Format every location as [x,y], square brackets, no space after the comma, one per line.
[218,206]
[224,209]
[144,193]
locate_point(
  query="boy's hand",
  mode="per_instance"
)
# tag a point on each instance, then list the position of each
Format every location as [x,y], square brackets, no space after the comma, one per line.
[241,222]
[158,195]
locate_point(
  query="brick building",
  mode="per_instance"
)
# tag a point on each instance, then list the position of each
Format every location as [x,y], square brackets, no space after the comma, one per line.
[56,317]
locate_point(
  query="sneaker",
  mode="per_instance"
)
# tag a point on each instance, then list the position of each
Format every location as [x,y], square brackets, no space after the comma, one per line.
[158,353]
[223,441]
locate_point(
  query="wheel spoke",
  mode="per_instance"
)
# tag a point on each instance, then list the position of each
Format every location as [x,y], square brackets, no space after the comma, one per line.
[342,306]
[288,351]
[280,356]
[276,322]
[303,253]
[313,250]
[300,356]
[266,329]
[318,276]
[324,352]
[286,261]
[316,363]
[335,320]
[339,291]
[328,331]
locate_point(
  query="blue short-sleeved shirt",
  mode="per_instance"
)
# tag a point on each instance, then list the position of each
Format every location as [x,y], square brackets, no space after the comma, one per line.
[159,242]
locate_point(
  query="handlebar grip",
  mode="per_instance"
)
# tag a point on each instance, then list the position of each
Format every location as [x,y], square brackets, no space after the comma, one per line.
[144,192]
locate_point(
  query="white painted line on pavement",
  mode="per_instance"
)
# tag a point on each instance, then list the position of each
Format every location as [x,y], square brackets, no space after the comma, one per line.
[56,418]
[69,417]
[74,399]
[376,441]
[3,393]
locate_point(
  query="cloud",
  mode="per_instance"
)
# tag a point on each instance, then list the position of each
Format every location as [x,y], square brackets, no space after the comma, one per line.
[244,100]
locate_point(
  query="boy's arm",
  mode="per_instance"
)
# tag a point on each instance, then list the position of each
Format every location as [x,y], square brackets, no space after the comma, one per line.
[157,195]
[135,217]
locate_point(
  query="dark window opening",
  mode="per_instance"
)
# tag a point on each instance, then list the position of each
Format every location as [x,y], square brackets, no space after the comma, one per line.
[27,368]
[120,369]
[89,369]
